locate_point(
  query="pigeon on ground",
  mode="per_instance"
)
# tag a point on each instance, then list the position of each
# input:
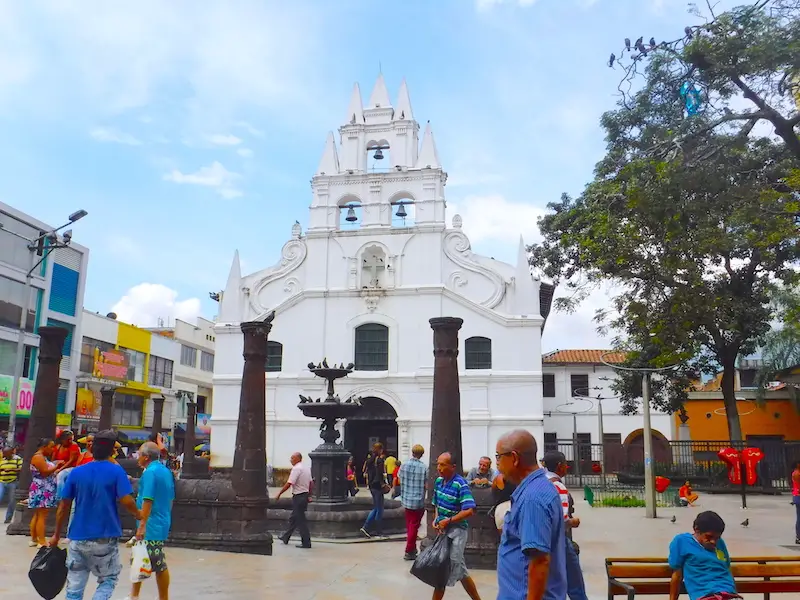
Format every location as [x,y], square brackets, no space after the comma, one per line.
[673,519]
[746,522]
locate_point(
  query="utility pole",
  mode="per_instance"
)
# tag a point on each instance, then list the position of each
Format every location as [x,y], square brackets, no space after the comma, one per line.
[649,477]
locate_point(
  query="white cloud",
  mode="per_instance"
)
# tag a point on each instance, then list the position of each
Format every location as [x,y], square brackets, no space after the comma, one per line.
[146,303]
[215,176]
[224,140]
[250,129]
[494,218]
[577,330]
[245,152]
[105,134]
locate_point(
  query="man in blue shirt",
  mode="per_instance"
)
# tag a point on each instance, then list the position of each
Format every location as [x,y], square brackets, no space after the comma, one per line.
[701,561]
[95,527]
[531,560]
[154,499]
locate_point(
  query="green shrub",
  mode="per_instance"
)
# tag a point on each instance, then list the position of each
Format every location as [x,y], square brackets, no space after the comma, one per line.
[626,502]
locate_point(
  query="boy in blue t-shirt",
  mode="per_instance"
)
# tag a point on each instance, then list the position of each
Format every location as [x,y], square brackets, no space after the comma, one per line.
[701,561]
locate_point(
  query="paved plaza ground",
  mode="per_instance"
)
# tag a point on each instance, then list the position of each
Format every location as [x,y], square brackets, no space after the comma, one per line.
[376,570]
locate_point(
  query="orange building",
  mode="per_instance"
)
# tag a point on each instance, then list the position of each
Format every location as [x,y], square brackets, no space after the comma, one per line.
[776,417]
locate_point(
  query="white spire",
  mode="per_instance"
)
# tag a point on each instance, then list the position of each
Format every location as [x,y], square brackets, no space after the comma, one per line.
[329,164]
[525,293]
[403,111]
[230,305]
[428,157]
[355,111]
[380,95]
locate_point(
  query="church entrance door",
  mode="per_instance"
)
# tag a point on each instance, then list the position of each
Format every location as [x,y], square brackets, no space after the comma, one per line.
[376,422]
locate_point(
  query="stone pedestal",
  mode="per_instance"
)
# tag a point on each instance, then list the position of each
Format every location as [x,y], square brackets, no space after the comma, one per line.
[249,476]
[106,408]
[158,414]
[329,469]
[193,467]
[42,421]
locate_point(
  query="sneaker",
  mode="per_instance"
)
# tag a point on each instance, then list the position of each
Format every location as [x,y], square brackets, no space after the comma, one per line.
[365,532]
[32,544]
[130,543]
[410,556]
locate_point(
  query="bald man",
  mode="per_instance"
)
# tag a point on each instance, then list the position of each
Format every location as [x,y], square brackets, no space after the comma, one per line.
[531,560]
[301,483]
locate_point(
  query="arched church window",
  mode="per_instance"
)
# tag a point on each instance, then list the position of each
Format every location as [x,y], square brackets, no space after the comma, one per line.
[274,357]
[379,156]
[350,212]
[478,353]
[372,347]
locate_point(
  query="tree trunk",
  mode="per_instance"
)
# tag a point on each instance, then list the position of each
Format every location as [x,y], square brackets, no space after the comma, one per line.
[729,399]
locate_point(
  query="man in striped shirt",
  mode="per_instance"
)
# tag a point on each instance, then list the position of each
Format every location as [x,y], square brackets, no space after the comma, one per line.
[556,465]
[453,505]
[10,466]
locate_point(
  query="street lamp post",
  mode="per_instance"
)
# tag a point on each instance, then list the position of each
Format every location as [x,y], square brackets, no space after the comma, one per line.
[53,242]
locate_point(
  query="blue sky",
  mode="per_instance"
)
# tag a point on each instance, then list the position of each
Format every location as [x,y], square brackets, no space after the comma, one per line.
[190,129]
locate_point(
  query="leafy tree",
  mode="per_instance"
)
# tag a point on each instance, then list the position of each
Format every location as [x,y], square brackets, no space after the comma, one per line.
[780,347]
[693,217]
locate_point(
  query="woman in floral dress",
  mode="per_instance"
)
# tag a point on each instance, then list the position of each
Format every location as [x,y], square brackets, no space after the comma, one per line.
[42,492]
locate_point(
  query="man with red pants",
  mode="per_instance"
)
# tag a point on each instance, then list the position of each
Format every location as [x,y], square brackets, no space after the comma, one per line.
[413,476]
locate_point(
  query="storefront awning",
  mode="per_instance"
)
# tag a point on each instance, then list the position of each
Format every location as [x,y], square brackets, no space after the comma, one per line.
[133,435]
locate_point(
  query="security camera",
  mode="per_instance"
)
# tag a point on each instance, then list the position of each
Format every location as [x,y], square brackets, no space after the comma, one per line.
[67,235]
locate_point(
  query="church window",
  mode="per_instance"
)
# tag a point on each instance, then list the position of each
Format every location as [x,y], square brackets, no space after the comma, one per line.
[274,357]
[478,353]
[372,347]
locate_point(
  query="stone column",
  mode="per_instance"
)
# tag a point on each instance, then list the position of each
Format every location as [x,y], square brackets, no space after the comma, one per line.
[42,422]
[158,414]
[446,404]
[249,476]
[106,408]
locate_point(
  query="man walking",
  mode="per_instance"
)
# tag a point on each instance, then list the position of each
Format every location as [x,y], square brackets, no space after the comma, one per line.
[556,465]
[155,497]
[413,475]
[95,528]
[453,505]
[10,467]
[531,556]
[301,483]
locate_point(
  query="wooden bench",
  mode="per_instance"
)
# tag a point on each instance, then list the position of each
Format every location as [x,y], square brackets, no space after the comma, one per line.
[753,575]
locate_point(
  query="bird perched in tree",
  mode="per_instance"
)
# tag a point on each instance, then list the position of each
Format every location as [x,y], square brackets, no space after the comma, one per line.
[639,45]
[611,60]
[673,519]
[652,43]
[746,523]
[688,31]
[628,44]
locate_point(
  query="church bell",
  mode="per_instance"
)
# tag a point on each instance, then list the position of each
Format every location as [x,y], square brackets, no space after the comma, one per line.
[378,154]
[351,215]
[401,211]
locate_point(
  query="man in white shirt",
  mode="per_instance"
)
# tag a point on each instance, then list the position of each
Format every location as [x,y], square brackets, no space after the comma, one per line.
[301,483]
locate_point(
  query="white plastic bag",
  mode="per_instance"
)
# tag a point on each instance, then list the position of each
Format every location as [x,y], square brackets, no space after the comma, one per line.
[141,568]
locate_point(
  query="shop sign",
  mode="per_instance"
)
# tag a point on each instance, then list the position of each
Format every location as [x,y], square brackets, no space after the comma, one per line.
[24,398]
[110,364]
[63,420]
[87,405]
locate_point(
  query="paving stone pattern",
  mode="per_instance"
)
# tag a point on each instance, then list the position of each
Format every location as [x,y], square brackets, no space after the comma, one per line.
[376,570]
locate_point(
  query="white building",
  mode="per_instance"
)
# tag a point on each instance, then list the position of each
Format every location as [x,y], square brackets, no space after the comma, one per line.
[577,381]
[193,371]
[58,285]
[361,289]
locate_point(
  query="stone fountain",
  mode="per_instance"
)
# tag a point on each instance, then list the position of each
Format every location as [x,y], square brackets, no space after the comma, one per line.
[329,459]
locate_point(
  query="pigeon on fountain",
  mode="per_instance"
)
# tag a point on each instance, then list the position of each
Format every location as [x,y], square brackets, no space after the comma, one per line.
[325,363]
[304,399]
[311,366]
[350,366]
[319,366]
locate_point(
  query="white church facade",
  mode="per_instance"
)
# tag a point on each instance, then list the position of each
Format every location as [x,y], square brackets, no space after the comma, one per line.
[377,262]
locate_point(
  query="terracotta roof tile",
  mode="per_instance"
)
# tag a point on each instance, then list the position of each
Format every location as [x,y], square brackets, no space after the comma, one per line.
[583,357]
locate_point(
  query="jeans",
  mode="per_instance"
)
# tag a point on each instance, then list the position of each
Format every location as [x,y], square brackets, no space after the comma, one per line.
[413,520]
[576,589]
[298,519]
[98,557]
[376,514]
[796,500]
[8,489]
